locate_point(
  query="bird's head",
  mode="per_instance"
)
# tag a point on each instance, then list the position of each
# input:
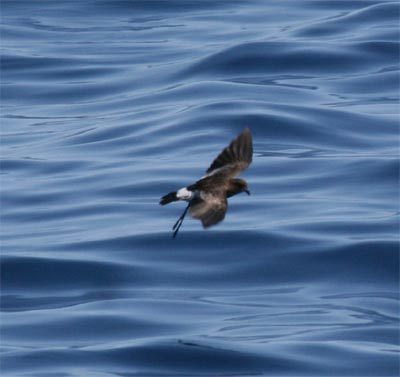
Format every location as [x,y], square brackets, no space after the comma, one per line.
[237,186]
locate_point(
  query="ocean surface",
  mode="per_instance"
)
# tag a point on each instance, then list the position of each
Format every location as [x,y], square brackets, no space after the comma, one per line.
[108,105]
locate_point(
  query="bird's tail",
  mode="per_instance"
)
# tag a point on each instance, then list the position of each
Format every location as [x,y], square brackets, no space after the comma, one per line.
[171,197]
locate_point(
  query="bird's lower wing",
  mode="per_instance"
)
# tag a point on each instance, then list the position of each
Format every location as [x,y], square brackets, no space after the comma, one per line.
[210,211]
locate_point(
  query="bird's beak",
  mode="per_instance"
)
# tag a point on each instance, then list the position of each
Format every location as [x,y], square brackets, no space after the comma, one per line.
[247,192]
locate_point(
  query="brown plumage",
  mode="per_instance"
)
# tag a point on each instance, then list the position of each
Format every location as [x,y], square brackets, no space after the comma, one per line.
[207,198]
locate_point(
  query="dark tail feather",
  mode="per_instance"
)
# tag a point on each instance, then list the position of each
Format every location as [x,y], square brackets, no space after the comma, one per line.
[171,197]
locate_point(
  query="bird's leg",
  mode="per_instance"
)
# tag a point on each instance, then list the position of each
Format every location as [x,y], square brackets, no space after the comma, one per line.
[179,222]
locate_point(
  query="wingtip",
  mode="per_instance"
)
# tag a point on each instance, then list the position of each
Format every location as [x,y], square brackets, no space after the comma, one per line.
[247,138]
[246,131]
[247,135]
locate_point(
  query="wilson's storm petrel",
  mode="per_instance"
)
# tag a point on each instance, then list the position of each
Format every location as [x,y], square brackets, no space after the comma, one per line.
[207,198]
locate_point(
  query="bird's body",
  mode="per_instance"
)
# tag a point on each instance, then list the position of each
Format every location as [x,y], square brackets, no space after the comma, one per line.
[207,198]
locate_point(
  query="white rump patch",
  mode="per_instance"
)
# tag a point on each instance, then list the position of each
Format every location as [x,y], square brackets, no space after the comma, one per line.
[184,194]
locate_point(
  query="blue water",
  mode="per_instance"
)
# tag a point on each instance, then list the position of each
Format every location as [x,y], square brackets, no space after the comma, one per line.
[108,105]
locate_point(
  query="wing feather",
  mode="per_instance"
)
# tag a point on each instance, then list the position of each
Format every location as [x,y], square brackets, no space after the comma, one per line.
[235,158]
[210,209]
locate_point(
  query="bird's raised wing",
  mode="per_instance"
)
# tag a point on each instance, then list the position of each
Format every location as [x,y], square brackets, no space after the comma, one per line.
[210,208]
[235,158]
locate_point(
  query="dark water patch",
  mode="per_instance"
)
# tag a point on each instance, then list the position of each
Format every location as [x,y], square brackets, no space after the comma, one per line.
[205,359]
[174,6]
[365,84]
[61,214]
[277,122]
[171,356]
[304,58]
[55,274]
[351,23]
[16,303]
[42,167]
[18,62]
[82,327]
[267,262]
[60,93]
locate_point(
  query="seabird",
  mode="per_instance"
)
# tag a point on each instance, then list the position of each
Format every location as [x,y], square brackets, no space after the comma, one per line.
[207,198]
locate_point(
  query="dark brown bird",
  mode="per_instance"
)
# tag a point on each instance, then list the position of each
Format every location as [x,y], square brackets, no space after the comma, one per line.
[207,198]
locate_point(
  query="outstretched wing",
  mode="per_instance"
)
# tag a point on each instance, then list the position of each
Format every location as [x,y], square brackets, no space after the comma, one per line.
[235,158]
[210,208]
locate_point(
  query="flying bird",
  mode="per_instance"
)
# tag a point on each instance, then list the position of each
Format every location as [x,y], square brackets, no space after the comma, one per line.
[207,198]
